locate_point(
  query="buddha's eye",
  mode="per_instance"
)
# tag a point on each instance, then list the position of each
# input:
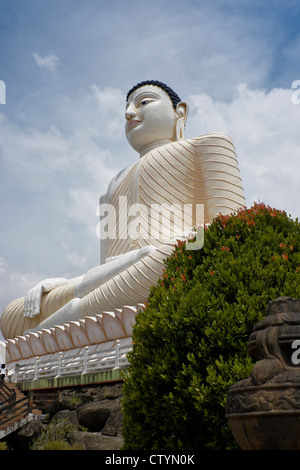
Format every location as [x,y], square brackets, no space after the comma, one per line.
[146,101]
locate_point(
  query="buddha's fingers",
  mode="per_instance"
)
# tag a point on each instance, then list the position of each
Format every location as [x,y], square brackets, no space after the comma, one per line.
[33,298]
[32,303]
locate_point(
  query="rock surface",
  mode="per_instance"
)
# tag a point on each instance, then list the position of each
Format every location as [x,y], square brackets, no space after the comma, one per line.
[95,412]
[93,416]
[94,441]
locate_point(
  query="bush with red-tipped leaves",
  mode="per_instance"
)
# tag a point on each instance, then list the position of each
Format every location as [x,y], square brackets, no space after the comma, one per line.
[190,342]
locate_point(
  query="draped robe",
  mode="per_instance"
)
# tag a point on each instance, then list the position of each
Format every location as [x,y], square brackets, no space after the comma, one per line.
[200,172]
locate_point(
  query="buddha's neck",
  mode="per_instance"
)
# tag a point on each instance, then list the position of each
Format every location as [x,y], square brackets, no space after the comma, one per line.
[154,145]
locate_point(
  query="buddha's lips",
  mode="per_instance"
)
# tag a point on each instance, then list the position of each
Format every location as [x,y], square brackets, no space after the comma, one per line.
[133,123]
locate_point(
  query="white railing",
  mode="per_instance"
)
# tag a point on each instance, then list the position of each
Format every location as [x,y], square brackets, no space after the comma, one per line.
[82,362]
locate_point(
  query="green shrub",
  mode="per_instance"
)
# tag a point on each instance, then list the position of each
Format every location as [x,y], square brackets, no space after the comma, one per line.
[53,434]
[190,342]
[76,401]
[60,445]
[3,446]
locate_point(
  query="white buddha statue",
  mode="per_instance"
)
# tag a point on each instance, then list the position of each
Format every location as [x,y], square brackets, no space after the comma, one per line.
[172,172]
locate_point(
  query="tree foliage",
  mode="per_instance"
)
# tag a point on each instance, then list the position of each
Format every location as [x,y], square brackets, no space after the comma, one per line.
[190,342]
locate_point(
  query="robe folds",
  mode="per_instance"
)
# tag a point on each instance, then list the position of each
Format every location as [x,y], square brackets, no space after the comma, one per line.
[167,192]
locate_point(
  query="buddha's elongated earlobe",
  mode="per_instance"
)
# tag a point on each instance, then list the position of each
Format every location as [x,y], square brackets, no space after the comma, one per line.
[182,112]
[180,127]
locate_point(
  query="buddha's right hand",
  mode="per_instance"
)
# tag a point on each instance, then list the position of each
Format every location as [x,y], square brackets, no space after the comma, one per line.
[33,298]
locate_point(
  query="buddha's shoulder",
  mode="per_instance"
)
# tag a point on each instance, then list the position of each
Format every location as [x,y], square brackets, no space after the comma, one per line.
[117,180]
[213,139]
[208,143]
[216,142]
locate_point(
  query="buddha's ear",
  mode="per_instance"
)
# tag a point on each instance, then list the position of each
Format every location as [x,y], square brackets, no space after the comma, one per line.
[182,110]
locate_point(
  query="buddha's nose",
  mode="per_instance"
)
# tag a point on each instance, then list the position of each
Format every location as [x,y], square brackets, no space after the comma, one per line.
[130,112]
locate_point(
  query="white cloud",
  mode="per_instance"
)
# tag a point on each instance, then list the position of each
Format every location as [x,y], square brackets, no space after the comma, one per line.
[49,62]
[15,283]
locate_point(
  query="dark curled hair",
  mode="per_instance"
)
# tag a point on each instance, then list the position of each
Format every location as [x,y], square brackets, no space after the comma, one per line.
[173,96]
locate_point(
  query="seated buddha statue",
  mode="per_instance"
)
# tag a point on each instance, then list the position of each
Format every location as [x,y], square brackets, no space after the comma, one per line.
[172,172]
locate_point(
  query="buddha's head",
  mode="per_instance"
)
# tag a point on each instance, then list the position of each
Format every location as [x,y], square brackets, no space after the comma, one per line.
[155,116]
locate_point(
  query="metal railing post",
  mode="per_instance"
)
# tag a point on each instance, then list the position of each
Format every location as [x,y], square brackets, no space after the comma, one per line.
[36,363]
[59,360]
[117,355]
[17,372]
[85,359]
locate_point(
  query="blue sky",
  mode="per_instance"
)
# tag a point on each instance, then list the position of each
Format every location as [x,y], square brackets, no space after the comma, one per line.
[67,66]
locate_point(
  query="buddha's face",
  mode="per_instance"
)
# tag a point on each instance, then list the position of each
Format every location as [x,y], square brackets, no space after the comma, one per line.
[150,118]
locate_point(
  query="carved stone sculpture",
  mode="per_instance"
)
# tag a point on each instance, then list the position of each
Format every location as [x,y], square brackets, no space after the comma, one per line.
[264,409]
[181,173]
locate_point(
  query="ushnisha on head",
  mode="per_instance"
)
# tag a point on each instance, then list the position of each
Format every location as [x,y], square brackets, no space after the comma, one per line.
[155,116]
